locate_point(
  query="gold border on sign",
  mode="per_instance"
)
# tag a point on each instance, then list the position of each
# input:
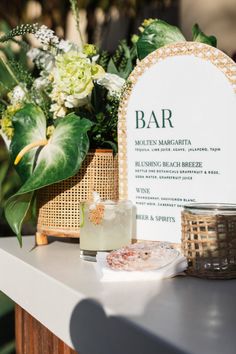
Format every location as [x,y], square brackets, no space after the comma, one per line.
[199,50]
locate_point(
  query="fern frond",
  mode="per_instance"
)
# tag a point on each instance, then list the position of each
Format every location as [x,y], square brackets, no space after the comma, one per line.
[19,31]
[104,59]
[121,55]
[123,63]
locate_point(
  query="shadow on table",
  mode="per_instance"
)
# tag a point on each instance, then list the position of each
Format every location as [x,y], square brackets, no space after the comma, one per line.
[93,332]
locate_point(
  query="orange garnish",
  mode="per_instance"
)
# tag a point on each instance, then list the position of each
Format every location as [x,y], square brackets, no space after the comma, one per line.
[96,215]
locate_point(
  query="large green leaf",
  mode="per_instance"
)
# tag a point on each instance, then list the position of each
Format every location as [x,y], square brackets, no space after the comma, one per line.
[60,159]
[16,210]
[29,126]
[199,36]
[156,35]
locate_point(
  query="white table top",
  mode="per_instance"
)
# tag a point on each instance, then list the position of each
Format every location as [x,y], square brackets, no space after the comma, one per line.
[180,315]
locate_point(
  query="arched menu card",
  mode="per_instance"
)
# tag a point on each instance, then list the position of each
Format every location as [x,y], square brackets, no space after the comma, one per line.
[177,135]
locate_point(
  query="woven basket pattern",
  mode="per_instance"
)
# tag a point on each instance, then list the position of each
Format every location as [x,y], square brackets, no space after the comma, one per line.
[209,244]
[59,204]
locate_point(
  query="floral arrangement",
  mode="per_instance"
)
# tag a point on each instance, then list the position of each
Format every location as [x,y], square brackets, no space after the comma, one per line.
[66,103]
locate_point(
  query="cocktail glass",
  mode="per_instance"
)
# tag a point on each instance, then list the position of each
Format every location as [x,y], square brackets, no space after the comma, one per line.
[105,226]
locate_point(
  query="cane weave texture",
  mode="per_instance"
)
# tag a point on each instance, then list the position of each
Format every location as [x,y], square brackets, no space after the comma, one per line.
[59,204]
[209,244]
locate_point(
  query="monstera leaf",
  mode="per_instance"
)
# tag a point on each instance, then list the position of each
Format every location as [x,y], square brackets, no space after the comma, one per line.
[199,36]
[59,159]
[156,35]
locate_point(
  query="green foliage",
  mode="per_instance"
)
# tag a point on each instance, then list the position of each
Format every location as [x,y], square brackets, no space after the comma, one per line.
[19,31]
[7,82]
[16,210]
[159,33]
[156,35]
[29,125]
[103,59]
[199,36]
[122,62]
[9,183]
[60,159]
[43,100]
[8,348]
[6,307]
[104,131]
[23,75]
[10,54]
[2,107]
[9,180]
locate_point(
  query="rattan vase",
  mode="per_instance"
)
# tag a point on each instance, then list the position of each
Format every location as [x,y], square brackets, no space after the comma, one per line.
[59,204]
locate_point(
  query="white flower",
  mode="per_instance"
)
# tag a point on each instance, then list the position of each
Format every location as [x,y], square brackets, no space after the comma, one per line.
[95,58]
[42,59]
[41,83]
[46,36]
[113,83]
[17,95]
[65,46]
[33,53]
[58,110]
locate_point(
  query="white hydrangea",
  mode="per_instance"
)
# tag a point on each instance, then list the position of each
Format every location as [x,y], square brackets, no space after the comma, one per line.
[46,36]
[113,83]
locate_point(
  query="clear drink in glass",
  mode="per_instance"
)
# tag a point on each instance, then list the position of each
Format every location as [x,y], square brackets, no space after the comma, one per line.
[105,226]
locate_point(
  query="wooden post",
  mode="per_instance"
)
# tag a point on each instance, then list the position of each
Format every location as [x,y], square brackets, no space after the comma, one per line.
[34,338]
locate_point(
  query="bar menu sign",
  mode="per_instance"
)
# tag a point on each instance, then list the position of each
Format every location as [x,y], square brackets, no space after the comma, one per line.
[177,136]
